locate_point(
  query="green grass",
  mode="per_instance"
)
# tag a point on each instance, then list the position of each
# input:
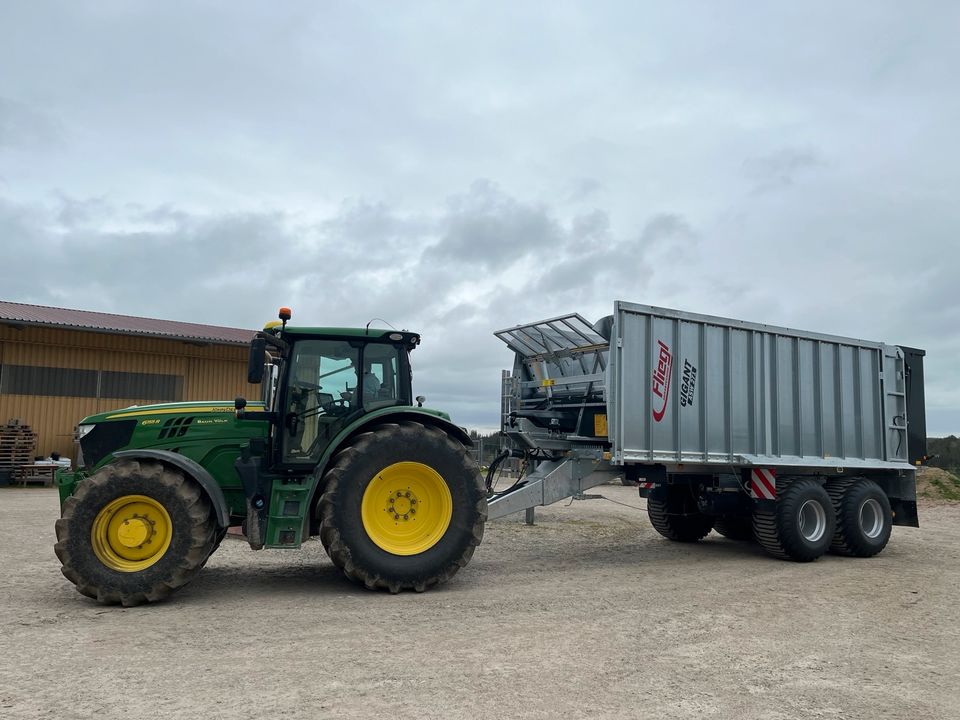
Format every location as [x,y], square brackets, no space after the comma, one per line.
[949,487]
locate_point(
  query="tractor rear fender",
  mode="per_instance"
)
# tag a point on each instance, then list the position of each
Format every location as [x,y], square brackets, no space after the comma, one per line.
[388,415]
[193,470]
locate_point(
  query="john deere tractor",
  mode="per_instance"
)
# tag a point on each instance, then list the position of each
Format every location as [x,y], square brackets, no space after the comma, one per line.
[335,447]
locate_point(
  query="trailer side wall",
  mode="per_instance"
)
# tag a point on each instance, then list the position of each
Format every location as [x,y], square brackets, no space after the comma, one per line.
[687,388]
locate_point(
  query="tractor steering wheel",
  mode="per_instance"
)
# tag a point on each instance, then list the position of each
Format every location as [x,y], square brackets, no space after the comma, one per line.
[336,407]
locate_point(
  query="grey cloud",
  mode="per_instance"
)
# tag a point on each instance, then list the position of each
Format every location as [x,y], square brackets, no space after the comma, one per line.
[488,228]
[592,228]
[359,263]
[780,169]
[76,213]
[325,156]
[26,128]
[584,189]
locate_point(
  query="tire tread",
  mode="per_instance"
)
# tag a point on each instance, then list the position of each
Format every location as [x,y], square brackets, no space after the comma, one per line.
[775,528]
[679,528]
[77,568]
[408,432]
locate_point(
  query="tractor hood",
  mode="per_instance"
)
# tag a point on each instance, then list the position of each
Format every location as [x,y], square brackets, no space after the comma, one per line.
[137,412]
[194,429]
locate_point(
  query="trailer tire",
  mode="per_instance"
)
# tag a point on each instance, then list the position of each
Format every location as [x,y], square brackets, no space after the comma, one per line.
[734,527]
[125,502]
[800,526]
[674,514]
[432,472]
[864,517]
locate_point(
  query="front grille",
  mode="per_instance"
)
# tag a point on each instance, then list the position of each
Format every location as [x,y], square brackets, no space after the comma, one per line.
[176,427]
[105,438]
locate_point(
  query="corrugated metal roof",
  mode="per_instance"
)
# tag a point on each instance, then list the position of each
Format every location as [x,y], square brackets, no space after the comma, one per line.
[40,315]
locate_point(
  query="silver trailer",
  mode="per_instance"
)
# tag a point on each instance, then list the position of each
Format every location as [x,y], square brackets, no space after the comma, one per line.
[803,441]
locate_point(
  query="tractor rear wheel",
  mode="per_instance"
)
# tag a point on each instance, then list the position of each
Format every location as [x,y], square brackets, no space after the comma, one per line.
[673,512]
[403,507]
[134,532]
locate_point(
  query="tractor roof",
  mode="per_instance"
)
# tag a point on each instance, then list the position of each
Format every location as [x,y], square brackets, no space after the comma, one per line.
[410,339]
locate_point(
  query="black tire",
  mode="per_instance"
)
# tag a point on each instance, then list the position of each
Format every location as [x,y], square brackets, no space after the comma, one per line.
[800,527]
[864,517]
[342,531]
[734,527]
[218,537]
[192,533]
[673,512]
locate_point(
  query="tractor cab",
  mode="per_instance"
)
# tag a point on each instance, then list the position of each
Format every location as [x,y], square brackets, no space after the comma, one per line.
[319,380]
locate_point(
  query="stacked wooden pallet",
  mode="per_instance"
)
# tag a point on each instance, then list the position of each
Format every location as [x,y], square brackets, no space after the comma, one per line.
[17,443]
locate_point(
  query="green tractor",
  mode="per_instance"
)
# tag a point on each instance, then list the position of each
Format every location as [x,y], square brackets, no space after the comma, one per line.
[334,448]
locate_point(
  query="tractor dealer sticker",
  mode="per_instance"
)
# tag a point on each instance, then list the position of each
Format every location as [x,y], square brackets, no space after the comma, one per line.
[661,380]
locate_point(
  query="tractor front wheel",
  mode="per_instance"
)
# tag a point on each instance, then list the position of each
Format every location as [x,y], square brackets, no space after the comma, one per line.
[134,532]
[403,507]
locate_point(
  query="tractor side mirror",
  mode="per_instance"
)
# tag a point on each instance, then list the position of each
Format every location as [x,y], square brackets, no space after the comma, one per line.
[258,356]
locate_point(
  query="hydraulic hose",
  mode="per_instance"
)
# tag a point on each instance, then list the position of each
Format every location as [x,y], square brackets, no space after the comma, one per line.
[504,454]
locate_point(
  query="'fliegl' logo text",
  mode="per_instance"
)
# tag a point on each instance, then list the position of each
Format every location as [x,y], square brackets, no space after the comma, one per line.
[661,380]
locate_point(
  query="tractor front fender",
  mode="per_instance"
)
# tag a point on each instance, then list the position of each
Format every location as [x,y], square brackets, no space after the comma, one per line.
[387,415]
[192,469]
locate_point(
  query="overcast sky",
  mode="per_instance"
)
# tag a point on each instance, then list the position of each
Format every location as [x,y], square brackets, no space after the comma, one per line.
[456,168]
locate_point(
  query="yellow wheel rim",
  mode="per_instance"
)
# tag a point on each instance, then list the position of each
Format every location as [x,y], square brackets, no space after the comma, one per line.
[131,533]
[406,508]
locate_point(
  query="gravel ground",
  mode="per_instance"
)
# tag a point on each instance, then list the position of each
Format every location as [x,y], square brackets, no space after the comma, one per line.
[589,614]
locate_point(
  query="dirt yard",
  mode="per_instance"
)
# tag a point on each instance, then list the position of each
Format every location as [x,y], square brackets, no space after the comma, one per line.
[589,614]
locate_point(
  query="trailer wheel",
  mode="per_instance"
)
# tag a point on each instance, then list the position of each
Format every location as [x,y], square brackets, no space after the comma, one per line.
[864,518]
[134,532]
[734,527]
[403,508]
[800,527]
[673,512]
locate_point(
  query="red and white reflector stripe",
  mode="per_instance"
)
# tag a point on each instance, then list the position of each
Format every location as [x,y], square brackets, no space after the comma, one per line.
[763,483]
[647,485]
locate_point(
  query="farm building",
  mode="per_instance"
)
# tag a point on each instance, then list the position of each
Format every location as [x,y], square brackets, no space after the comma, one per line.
[58,366]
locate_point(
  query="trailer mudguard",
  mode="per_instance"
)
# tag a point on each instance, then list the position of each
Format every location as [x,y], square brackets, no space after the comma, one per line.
[194,470]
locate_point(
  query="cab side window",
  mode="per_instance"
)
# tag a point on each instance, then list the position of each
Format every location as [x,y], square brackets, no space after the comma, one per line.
[380,376]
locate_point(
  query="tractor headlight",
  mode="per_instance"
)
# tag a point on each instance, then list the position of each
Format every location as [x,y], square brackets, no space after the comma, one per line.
[81,431]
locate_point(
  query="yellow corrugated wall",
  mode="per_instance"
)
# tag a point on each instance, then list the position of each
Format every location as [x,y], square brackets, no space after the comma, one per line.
[209,372]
